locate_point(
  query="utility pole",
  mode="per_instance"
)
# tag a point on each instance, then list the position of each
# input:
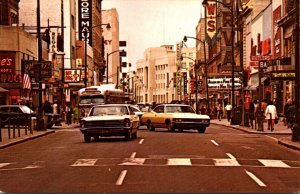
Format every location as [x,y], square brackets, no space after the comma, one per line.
[296,126]
[40,120]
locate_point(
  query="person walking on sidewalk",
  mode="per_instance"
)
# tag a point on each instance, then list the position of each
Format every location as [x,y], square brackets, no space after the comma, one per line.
[251,114]
[228,109]
[271,115]
[285,112]
[220,112]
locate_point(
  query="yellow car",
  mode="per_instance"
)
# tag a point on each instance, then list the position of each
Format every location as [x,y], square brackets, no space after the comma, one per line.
[175,116]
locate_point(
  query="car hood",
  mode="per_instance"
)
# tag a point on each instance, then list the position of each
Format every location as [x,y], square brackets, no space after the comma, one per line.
[106,117]
[189,115]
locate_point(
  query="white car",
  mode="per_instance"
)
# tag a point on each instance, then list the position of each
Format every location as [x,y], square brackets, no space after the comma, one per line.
[110,120]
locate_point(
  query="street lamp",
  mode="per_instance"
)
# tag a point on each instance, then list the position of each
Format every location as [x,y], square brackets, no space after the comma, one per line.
[205,4]
[206,73]
[107,55]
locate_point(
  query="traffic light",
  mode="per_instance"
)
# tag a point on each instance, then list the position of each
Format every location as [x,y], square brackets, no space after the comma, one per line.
[46,36]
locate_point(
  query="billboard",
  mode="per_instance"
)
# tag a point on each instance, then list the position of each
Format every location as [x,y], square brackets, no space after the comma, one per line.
[85,21]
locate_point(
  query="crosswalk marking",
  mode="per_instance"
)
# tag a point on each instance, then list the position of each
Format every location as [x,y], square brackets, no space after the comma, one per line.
[226,162]
[85,162]
[133,161]
[179,162]
[274,163]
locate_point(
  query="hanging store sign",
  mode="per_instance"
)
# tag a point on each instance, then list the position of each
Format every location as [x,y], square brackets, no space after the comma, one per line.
[283,75]
[277,33]
[211,18]
[32,68]
[7,62]
[85,21]
[72,75]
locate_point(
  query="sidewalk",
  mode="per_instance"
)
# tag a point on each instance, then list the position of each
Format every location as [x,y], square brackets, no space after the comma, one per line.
[6,141]
[279,129]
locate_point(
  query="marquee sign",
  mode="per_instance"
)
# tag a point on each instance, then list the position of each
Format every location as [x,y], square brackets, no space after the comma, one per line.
[85,21]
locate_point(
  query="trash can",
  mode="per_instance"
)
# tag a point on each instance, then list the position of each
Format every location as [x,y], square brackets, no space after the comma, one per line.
[236,117]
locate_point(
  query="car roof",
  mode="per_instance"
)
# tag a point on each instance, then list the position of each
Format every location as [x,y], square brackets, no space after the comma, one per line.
[172,105]
[112,105]
[12,105]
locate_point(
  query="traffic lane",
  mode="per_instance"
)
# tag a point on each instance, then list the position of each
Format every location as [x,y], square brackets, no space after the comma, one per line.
[188,143]
[252,146]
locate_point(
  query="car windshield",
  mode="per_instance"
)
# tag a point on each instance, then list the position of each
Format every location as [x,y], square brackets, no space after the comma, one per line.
[91,100]
[181,109]
[109,110]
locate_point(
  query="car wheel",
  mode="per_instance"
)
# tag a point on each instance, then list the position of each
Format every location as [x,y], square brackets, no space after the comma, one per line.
[150,126]
[96,138]
[128,136]
[170,127]
[201,129]
[87,138]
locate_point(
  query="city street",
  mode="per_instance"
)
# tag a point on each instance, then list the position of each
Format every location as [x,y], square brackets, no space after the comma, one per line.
[221,160]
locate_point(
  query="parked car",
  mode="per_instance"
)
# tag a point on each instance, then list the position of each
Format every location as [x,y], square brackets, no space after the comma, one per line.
[7,111]
[175,116]
[110,120]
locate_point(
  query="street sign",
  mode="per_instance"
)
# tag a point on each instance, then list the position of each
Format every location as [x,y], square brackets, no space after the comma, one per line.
[261,57]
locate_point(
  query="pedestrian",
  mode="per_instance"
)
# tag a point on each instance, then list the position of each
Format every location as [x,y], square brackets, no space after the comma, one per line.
[69,112]
[220,112]
[291,115]
[48,107]
[251,114]
[228,109]
[289,103]
[203,110]
[271,115]
[75,111]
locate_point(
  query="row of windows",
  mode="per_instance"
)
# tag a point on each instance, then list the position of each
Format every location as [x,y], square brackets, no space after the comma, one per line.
[161,67]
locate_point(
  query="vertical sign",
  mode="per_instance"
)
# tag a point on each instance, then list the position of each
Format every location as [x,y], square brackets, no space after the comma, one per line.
[277,33]
[211,18]
[85,20]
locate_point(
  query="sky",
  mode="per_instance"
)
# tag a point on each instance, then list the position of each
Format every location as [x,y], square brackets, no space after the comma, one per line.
[152,23]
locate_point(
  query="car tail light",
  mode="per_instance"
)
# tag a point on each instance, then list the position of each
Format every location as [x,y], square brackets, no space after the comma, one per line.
[126,122]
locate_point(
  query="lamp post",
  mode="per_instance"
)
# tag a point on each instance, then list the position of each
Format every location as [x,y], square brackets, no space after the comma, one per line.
[40,120]
[296,126]
[231,9]
[196,74]
[107,55]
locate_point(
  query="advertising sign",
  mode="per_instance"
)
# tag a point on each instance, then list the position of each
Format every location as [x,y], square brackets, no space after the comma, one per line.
[277,33]
[85,21]
[72,75]
[211,18]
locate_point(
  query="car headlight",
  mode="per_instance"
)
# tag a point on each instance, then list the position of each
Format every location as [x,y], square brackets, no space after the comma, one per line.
[126,122]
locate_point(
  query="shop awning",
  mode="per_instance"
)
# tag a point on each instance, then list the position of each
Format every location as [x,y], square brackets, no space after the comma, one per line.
[255,86]
[2,90]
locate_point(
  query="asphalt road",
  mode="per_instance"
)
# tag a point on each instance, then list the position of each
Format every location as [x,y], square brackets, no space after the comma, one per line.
[221,160]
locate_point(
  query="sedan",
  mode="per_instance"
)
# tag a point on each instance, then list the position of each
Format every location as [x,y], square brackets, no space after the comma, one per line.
[110,120]
[175,116]
[11,113]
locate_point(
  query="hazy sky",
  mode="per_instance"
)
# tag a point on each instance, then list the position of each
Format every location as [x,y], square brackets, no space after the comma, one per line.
[152,23]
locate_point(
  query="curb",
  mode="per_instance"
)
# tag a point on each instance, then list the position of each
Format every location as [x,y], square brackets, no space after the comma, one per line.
[26,139]
[279,141]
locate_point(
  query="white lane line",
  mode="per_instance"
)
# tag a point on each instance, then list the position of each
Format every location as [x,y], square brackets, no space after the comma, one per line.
[133,155]
[230,156]
[179,161]
[85,162]
[4,164]
[121,177]
[257,180]
[274,163]
[226,162]
[142,140]
[214,142]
